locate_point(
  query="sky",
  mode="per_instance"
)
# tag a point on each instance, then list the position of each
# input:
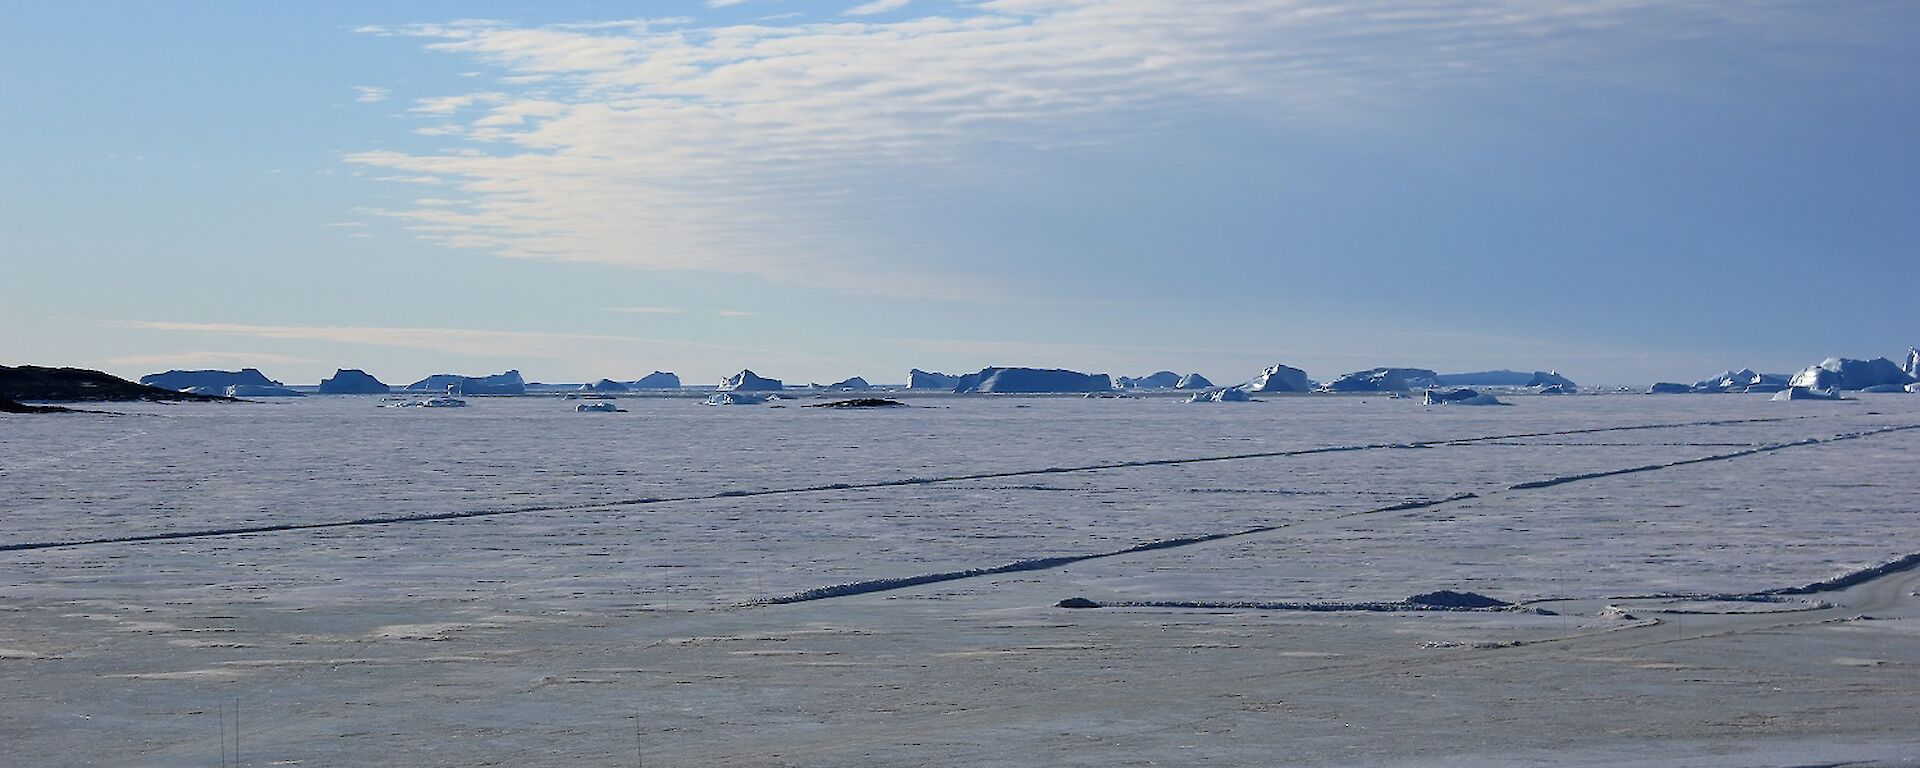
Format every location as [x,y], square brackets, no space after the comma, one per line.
[1622,190]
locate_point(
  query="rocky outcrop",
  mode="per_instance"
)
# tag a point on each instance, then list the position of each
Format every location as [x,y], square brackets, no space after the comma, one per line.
[1280,378]
[508,383]
[1193,381]
[207,380]
[919,379]
[352,381]
[1032,381]
[33,382]
[1846,374]
[1384,380]
[658,380]
[747,381]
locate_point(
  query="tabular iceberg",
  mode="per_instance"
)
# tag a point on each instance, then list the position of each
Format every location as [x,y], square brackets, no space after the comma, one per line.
[1384,380]
[1155,380]
[1460,397]
[658,380]
[215,382]
[854,384]
[919,379]
[1032,381]
[508,383]
[352,381]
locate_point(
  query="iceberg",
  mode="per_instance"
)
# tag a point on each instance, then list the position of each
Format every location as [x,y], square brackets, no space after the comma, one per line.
[736,398]
[1032,381]
[438,402]
[1280,378]
[215,382]
[604,406]
[352,381]
[850,385]
[1228,395]
[1545,379]
[1743,380]
[508,383]
[1155,380]
[919,379]
[1460,397]
[1193,381]
[1806,393]
[1384,380]
[1499,378]
[658,380]
[1669,388]
[1843,373]
[256,390]
[1885,388]
[1913,363]
[604,385]
[747,381]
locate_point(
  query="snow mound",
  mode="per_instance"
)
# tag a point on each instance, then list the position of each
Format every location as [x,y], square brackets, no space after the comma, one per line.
[352,381]
[919,379]
[747,381]
[214,382]
[1385,380]
[1280,378]
[1193,381]
[1843,373]
[1032,381]
[1155,380]
[1228,395]
[508,383]
[1806,393]
[736,398]
[1460,397]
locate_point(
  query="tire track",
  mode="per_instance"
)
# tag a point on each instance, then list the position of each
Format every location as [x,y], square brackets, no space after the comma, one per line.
[206,533]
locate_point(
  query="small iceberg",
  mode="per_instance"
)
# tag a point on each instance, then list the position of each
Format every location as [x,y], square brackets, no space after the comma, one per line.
[1229,395]
[1460,397]
[748,381]
[438,402]
[736,398]
[1806,393]
[604,406]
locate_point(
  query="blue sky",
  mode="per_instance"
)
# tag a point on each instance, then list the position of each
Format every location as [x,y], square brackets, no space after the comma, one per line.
[1623,190]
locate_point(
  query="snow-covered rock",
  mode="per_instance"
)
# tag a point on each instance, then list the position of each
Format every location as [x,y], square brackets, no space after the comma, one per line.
[1193,381]
[508,383]
[352,381]
[1155,380]
[919,379]
[747,381]
[604,385]
[215,382]
[1806,393]
[1843,373]
[1669,388]
[1032,381]
[736,398]
[1228,395]
[1460,397]
[1384,380]
[1280,378]
[658,380]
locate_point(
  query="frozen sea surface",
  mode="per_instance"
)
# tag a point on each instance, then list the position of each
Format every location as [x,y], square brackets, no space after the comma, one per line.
[621,578]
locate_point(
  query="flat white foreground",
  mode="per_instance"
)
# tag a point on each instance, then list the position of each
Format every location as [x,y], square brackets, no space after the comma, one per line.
[614,613]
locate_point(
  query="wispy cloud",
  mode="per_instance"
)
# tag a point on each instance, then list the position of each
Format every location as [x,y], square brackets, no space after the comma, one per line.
[766,149]
[371,93]
[877,6]
[647,310]
[735,313]
[204,359]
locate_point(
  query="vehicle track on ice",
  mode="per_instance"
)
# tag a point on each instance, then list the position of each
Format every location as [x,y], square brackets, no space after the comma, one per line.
[871,586]
[251,530]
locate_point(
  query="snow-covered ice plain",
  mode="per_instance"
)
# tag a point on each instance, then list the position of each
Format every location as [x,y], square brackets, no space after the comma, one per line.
[632,602]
